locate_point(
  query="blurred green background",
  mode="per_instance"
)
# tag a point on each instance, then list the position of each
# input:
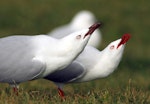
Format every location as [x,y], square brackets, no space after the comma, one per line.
[118,17]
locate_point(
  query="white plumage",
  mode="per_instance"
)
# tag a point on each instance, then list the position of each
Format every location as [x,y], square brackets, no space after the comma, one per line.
[24,58]
[91,64]
[81,20]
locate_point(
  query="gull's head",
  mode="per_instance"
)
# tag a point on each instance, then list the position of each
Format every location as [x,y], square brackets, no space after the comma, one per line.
[83,19]
[115,49]
[79,39]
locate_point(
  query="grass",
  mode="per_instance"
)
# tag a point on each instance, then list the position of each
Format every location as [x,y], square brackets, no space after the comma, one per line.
[125,86]
[130,84]
[83,93]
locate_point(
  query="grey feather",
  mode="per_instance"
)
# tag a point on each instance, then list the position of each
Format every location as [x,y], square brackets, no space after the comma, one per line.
[74,71]
[16,63]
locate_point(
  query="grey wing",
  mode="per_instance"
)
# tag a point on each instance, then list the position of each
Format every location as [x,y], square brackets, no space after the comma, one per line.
[61,32]
[16,60]
[74,71]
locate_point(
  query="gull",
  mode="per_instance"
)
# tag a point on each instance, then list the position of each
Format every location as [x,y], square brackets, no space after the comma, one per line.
[81,20]
[24,58]
[91,64]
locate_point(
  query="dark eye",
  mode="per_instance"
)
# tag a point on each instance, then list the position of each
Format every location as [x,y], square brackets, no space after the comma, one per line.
[112,47]
[78,37]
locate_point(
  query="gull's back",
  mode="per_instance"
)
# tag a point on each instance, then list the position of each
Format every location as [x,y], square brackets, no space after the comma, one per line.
[16,59]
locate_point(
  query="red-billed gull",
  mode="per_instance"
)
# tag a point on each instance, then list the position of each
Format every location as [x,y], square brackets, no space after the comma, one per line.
[91,64]
[24,58]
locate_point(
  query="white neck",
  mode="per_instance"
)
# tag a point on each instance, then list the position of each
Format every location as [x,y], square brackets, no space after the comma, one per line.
[101,67]
[58,57]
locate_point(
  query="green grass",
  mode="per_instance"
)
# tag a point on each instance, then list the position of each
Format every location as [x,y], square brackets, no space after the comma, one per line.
[129,84]
[120,88]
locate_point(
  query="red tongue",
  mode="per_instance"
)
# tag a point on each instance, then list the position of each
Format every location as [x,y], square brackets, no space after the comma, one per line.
[124,39]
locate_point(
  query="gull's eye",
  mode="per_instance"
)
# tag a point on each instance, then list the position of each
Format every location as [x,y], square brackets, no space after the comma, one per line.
[112,47]
[78,37]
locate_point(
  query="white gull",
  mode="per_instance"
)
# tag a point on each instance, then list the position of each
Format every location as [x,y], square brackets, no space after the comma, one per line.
[81,20]
[24,58]
[91,64]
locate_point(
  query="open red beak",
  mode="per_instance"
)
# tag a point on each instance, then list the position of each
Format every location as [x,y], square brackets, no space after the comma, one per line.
[124,39]
[92,29]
